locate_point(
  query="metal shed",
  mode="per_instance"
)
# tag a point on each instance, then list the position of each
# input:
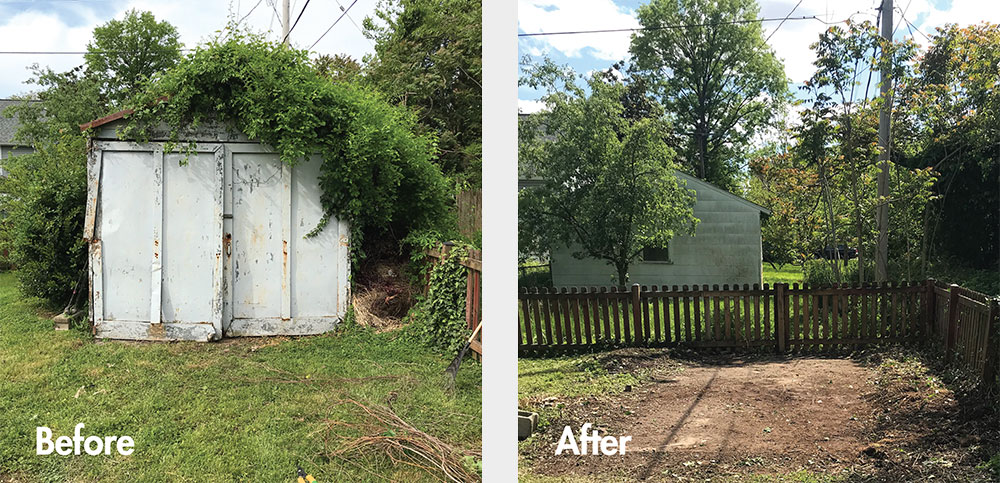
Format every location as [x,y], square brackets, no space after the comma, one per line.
[209,246]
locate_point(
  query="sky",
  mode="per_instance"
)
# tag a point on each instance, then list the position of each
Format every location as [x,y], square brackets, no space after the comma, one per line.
[67,25]
[589,52]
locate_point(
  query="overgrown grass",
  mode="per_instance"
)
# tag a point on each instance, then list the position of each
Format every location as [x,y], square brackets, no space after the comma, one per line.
[245,410]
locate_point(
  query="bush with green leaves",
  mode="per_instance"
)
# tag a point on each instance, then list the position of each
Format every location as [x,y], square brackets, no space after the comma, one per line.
[43,201]
[377,174]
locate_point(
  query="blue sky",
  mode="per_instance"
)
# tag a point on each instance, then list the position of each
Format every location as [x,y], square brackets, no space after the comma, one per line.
[588,52]
[66,25]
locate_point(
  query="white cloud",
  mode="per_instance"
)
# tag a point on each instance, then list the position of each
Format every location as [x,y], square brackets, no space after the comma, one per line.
[529,107]
[33,30]
[571,15]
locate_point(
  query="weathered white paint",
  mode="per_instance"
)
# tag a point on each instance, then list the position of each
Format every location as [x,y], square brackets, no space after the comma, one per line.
[725,249]
[161,268]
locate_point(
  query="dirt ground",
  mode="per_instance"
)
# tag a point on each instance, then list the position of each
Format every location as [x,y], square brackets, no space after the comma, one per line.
[726,418]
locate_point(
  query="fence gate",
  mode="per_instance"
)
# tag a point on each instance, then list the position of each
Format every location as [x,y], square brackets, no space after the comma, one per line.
[211,247]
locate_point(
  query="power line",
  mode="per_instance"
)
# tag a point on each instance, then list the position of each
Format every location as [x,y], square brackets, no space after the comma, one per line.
[783,21]
[914,27]
[334,22]
[355,24]
[668,27]
[248,13]
[81,52]
[296,20]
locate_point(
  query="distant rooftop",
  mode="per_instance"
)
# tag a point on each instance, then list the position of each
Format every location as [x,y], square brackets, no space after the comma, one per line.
[8,126]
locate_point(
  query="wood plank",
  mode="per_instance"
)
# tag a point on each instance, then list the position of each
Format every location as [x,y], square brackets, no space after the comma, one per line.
[615,310]
[608,336]
[560,314]
[687,316]
[700,322]
[585,308]
[716,314]
[645,316]
[756,317]
[525,314]
[547,320]
[677,315]
[577,329]
[796,318]
[727,302]
[536,312]
[656,318]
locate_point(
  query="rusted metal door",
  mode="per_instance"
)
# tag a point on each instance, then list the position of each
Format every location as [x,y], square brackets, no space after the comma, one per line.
[154,224]
[278,280]
[212,246]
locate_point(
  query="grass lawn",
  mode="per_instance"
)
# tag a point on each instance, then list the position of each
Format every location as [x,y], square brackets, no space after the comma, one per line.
[787,274]
[241,409]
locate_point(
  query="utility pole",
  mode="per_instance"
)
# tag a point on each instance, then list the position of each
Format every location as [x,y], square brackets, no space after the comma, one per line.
[284,22]
[882,211]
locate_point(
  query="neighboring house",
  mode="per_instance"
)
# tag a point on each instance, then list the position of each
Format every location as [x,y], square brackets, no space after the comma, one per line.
[726,247]
[8,128]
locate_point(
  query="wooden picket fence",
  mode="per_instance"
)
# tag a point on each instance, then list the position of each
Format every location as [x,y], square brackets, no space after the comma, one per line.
[473,290]
[784,317]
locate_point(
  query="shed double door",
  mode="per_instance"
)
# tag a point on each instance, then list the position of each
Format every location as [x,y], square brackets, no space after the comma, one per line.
[211,247]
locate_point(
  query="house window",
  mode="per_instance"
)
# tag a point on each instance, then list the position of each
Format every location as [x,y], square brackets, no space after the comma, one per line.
[659,255]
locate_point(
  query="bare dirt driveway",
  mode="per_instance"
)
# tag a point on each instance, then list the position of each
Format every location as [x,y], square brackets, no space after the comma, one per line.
[728,418]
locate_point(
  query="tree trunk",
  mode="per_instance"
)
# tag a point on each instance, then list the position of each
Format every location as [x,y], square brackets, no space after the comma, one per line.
[622,274]
[831,221]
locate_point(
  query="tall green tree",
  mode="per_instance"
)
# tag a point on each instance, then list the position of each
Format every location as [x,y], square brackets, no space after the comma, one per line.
[952,115]
[428,56]
[607,187]
[719,81]
[125,53]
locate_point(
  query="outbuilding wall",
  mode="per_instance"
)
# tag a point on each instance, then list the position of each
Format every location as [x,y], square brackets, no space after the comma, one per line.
[211,243]
[725,249]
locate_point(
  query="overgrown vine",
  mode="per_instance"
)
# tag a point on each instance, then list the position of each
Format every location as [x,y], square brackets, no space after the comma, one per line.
[377,173]
[440,317]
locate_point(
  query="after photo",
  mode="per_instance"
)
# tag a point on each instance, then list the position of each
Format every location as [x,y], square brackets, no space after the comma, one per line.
[758,241]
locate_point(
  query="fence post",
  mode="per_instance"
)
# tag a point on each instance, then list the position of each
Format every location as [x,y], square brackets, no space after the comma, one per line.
[781,316]
[930,309]
[952,322]
[637,334]
[992,346]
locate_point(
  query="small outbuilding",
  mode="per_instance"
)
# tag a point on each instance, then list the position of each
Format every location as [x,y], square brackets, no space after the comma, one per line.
[725,249]
[208,244]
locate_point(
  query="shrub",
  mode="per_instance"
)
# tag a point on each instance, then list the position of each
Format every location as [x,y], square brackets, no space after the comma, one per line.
[820,272]
[44,198]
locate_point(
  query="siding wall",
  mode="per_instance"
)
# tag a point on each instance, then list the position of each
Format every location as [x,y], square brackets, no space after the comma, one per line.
[725,249]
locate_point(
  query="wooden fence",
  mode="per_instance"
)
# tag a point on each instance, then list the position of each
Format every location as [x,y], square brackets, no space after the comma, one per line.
[470,212]
[473,290]
[787,318]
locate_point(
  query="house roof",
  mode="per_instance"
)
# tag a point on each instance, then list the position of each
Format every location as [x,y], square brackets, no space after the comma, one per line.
[692,182]
[8,125]
[700,183]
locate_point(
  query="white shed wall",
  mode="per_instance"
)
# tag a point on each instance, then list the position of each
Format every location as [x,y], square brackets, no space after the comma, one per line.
[212,247]
[725,249]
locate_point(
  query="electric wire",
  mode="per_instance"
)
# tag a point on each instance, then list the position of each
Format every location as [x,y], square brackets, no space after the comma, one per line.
[334,24]
[783,22]
[304,7]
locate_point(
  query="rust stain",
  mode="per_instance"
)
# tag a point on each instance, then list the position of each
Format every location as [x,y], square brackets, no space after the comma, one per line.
[156,331]
[343,241]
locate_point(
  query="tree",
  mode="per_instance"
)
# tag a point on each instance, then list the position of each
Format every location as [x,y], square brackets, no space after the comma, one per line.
[952,113]
[339,68]
[46,191]
[125,53]
[428,56]
[608,188]
[718,80]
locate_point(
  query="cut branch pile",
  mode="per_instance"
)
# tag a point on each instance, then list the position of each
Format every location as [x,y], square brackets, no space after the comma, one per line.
[388,434]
